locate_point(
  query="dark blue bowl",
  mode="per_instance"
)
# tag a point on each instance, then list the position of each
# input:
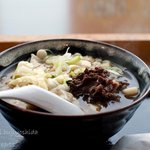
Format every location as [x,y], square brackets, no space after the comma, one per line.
[31,123]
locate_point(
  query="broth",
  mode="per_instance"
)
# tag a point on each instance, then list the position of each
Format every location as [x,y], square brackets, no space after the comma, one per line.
[6,76]
[112,105]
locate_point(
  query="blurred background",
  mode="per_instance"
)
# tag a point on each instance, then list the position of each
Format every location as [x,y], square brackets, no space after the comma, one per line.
[44,17]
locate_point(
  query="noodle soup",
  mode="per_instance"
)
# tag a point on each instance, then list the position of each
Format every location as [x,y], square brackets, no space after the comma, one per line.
[94,84]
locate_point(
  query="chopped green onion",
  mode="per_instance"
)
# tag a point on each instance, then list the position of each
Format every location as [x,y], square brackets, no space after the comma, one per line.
[74,60]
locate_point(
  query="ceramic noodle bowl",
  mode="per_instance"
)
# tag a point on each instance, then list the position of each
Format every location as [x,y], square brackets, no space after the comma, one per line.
[102,124]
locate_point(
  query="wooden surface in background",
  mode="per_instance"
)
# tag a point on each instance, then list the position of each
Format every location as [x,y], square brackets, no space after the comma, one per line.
[139,44]
[110,16]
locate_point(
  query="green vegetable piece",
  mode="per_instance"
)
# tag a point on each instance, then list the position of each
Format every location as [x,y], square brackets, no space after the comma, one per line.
[48,75]
[72,74]
[16,76]
[74,60]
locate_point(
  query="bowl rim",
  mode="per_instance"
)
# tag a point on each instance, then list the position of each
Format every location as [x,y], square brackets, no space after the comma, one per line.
[111,112]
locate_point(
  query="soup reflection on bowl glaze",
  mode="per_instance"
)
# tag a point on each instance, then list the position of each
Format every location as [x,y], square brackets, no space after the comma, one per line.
[107,82]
